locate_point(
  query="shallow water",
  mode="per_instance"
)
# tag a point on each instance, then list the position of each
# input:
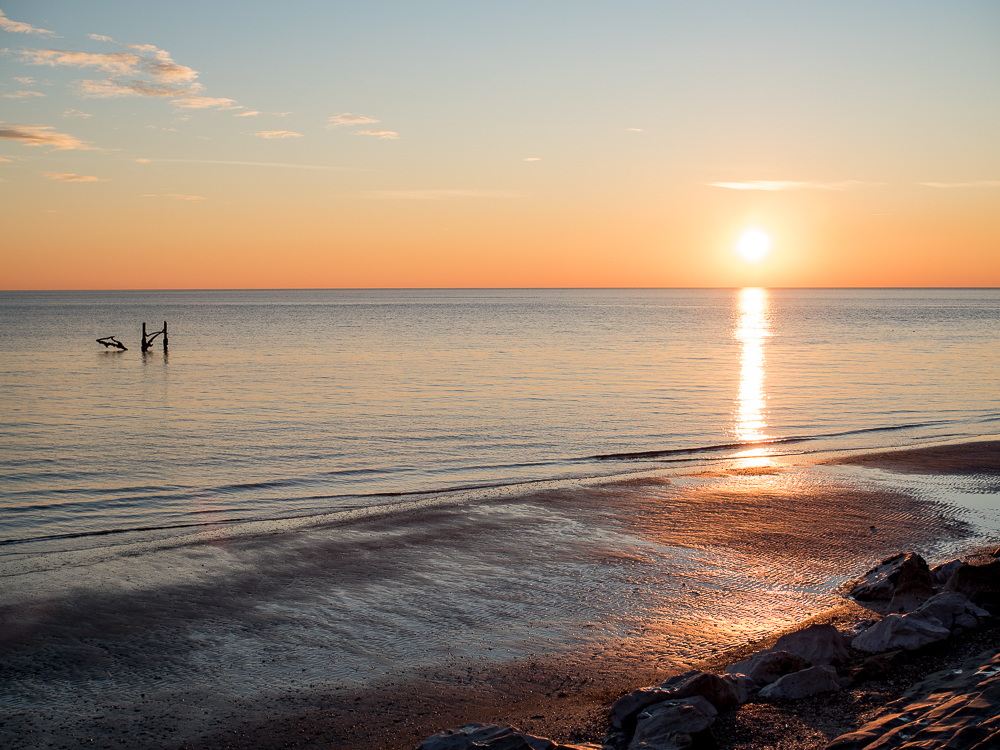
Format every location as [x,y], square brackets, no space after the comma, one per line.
[316,489]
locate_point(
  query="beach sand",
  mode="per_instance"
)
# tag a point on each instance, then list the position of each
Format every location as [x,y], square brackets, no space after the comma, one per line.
[118,666]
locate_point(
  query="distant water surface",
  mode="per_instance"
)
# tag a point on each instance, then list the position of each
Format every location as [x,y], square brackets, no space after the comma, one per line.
[282,403]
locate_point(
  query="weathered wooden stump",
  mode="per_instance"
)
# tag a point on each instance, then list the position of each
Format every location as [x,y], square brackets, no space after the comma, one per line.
[148,339]
[111,341]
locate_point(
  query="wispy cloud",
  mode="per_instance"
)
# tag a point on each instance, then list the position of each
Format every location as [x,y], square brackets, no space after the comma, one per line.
[428,195]
[144,70]
[43,135]
[26,81]
[186,197]
[388,135]
[278,165]
[532,158]
[249,113]
[4,160]
[779,185]
[75,113]
[23,95]
[206,102]
[17,27]
[977,183]
[277,134]
[346,118]
[70,177]
[633,130]
[100,38]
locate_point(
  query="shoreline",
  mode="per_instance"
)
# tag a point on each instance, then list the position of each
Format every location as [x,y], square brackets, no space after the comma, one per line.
[563,696]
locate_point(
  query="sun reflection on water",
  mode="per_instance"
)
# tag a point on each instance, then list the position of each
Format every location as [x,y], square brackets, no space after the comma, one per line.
[752,328]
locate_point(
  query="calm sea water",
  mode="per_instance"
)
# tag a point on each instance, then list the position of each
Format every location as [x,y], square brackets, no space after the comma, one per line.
[282,403]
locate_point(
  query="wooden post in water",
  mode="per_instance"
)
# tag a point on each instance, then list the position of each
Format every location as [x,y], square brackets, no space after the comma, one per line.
[147,340]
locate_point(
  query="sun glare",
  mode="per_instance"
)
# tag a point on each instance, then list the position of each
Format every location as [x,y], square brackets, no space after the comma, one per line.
[753,245]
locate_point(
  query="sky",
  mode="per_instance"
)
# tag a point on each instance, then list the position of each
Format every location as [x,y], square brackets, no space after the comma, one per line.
[505,144]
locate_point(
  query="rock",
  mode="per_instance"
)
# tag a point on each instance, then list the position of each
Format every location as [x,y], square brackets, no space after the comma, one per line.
[909,632]
[954,611]
[768,666]
[722,691]
[818,644]
[804,683]
[675,724]
[480,736]
[879,582]
[979,583]
[878,666]
[913,585]
[941,573]
[955,709]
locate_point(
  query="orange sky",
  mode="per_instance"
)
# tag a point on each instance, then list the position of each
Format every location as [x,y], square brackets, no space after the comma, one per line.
[571,145]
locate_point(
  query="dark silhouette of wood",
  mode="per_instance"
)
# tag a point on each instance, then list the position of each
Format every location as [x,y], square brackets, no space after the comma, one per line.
[148,339]
[111,341]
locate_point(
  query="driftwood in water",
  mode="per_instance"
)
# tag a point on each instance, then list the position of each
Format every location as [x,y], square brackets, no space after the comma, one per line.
[111,341]
[148,339]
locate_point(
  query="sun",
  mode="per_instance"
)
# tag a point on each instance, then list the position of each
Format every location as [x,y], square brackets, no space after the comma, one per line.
[753,245]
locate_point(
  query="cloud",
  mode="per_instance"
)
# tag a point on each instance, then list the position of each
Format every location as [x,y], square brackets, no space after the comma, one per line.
[277,134]
[22,94]
[143,71]
[206,102]
[633,130]
[532,158]
[346,118]
[70,177]
[424,195]
[978,183]
[5,160]
[75,113]
[17,27]
[43,135]
[779,185]
[25,81]
[186,197]
[143,161]
[281,114]
[248,113]
[388,135]
[100,38]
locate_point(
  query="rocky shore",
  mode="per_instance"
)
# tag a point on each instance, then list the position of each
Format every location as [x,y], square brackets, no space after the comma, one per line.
[912,660]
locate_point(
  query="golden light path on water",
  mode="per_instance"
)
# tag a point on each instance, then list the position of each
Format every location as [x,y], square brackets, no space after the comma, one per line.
[752,329]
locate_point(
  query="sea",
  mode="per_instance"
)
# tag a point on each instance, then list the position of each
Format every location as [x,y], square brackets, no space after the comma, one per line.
[409,475]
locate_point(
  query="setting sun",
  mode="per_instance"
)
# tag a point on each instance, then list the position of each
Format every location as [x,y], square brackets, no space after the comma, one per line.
[753,245]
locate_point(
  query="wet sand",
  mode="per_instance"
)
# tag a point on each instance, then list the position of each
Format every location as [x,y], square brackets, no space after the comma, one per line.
[139,666]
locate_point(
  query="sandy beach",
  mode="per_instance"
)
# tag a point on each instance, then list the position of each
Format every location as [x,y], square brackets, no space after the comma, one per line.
[119,665]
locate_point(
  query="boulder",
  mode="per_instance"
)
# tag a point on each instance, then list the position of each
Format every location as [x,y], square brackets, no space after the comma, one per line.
[485,736]
[941,573]
[878,666]
[879,582]
[955,708]
[954,611]
[803,683]
[818,644]
[674,725]
[768,666]
[909,632]
[722,691]
[913,585]
[979,583]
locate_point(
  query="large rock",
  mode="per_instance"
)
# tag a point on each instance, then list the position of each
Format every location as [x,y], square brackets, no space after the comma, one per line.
[954,709]
[803,684]
[979,583]
[722,691]
[910,632]
[485,736]
[818,644]
[953,610]
[913,585]
[941,573]
[768,666]
[675,725]
[880,581]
